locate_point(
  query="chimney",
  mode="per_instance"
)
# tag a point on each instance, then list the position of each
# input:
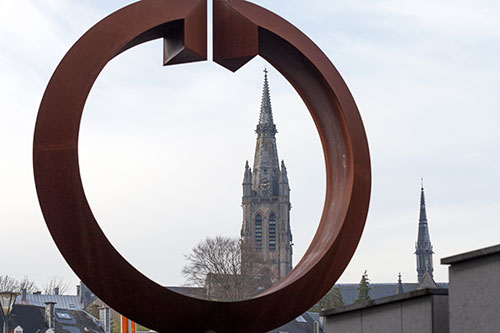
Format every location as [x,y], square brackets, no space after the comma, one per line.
[24,293]
[56,291]
[50,314]
[316,327]
[104,319]
[78,290]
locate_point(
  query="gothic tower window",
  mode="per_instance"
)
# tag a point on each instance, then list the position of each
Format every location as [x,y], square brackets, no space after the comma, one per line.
[272,232]
[258,232]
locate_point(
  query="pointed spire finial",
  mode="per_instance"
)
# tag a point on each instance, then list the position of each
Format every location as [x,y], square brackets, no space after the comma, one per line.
[400,285]
[422,183]
[423,213]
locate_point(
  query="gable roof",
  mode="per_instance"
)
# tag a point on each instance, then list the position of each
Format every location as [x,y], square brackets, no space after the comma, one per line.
[427,281]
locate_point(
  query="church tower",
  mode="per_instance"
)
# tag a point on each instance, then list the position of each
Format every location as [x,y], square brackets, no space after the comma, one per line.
[266,197]
[423,246]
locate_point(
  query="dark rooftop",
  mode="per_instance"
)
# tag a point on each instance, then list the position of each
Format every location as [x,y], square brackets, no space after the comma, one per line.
[32,319]
[302,324]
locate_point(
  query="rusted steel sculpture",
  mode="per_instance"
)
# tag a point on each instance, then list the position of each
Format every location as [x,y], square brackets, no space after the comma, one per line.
[242,30]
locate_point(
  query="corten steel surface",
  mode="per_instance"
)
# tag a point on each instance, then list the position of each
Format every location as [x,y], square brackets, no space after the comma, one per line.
[241,31]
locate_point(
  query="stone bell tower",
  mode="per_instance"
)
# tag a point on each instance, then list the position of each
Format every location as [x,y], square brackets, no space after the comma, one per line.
[266,197]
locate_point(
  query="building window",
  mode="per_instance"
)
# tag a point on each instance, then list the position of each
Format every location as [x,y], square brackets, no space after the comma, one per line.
[258,232]
[272,232]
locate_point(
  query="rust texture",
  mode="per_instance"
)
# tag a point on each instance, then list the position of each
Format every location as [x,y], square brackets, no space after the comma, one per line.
[242,30]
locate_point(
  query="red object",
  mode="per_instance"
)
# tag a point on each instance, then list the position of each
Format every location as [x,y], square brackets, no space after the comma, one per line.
[124,324]
[242,30]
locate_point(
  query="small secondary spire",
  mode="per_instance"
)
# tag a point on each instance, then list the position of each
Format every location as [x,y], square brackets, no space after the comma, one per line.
[400,284]
[423,248]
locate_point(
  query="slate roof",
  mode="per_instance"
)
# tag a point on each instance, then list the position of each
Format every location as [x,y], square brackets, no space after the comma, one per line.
[349,291]
[32,319]
[71,302]
[302,324]
[76,323]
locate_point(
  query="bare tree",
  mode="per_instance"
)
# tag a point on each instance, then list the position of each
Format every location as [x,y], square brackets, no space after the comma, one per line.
[27,284]
[216,264]
[49,288]
[8,283]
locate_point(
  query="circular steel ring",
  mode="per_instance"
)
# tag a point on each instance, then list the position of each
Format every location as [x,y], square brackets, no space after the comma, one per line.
[241,31]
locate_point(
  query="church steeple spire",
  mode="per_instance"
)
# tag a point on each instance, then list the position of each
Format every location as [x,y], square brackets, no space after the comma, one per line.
[423,247]
[266,163]
[266,198]
[266,124]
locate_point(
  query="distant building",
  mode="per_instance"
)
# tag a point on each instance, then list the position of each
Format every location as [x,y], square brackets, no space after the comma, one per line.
[75,312]
[80,301]
[471,304]
[425,267]
[49,318]
[266,197]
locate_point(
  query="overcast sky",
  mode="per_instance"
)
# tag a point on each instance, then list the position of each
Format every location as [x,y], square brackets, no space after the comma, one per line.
[163,149]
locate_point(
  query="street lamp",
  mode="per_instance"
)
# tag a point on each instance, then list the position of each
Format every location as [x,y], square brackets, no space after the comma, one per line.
[7,300]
